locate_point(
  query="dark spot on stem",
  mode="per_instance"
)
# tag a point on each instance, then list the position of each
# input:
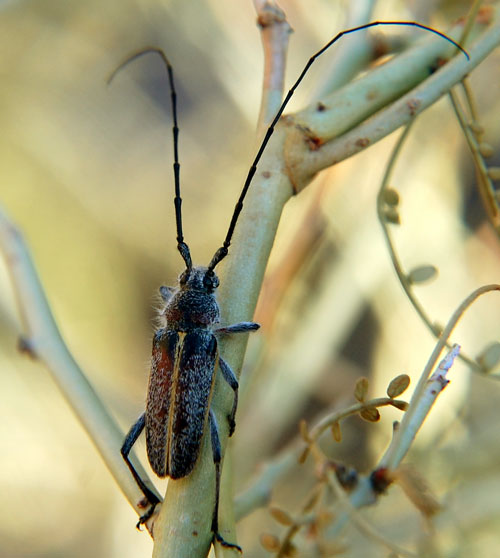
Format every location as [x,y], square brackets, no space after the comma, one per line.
[362,142]
[380,480]
[25,347]
[413,105]
[438,63]
[314,143]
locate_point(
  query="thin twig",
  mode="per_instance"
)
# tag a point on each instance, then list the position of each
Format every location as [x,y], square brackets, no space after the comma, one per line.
[470,19]
[485,185]
[421,403]
[420,406]
[333,418]
[425,394]
[400,444]
[275,32]
[362,524]
[398,268]
[42,339]
[353,54]
[258,494]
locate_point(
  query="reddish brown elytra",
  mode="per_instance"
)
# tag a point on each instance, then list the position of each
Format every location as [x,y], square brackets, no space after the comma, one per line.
[185,354]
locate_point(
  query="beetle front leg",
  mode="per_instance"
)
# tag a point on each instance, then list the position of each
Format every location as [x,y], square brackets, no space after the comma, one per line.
[216,452]
[240,327]
[228,374]
[130,440]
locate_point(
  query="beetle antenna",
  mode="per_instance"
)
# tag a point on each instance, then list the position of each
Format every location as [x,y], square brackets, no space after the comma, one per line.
[223,250]
[181,245]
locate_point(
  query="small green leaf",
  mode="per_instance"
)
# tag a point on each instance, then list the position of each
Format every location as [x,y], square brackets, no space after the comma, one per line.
[398,385]
[370,414]
[490,356]
[336,432]
[477,128]
[401,405]
[361,389]
[304,432]
[391,215]
[391,197]
[422,273]
[281,516]
[494,173]
[304,454]
[486,150]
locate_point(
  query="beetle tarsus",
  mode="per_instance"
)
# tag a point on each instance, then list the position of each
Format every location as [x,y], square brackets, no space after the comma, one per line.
[145,517]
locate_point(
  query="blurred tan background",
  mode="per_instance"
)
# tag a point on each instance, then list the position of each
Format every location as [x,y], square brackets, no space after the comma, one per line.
[86,174]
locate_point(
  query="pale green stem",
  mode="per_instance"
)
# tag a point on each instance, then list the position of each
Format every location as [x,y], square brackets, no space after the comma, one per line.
[41,337]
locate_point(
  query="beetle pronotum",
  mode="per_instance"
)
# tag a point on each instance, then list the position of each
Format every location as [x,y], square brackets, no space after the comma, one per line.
[185,352]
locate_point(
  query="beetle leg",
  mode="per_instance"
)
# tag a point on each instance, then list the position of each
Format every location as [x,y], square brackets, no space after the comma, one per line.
[130,440]
[240,327]
[230,378]
[216,452]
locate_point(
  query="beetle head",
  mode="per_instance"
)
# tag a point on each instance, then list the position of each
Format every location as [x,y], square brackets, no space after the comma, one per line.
[200,279]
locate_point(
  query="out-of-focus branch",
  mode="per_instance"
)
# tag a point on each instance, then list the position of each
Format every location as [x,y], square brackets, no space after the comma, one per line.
[424,396]
[485,184]
[388,215]
[313,145]
[401,443]
[42,340]
[420,406]
[275,32]
[354,53]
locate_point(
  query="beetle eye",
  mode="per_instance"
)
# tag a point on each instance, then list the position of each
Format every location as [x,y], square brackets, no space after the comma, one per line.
[210,281]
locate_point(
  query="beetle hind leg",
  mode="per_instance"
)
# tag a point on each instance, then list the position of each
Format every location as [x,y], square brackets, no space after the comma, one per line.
[130,440]
[216,452]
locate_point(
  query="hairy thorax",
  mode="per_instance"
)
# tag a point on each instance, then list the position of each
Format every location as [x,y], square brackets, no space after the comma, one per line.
[191,304]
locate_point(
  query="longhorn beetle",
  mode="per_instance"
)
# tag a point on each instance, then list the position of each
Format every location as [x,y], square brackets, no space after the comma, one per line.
[185,353]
